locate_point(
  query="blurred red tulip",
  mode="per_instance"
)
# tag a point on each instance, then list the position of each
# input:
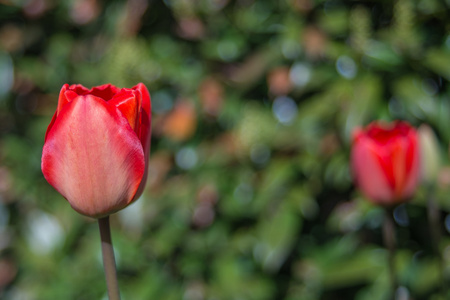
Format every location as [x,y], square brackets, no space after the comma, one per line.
[96,147]
[385,161]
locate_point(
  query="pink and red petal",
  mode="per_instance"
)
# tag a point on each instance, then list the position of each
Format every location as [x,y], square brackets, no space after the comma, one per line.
[62,98]
[79,89]
[368,171]
[144,129]
[145,117]
[386,161]
[92,157]
[412,165]
[105,92]
[129,104]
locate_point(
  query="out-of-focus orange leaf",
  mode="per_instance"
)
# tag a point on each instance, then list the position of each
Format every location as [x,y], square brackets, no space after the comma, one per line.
[253,67]
[84,11]
[211,96]
[8,271]
[191,28]
[11,38]
[159,165]
[302,6]
[314,42]
[208,194]
[132,22]
[35,8]
[279,81]
[444,177]
[181,123]
[329,144]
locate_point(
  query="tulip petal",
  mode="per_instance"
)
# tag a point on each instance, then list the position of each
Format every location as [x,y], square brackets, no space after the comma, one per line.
[62,98]
[145,119]
[400,164]
[386,162]
[412,165]
[366,168]
[144,130]
[92,157]
[79,89]
[70,95]
[129,103]
[106,91]
[398,157]
[386,154]
[146,102]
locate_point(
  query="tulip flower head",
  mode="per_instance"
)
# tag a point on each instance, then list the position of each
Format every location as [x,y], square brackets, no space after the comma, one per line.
[96,147]
[385,161]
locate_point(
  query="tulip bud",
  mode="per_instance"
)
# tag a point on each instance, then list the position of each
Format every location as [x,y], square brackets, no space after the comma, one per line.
[430,154]
[385,161]
[96,147]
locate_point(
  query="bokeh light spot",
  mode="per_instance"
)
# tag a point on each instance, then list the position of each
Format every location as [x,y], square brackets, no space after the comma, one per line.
[285,110]
[300,74]
[346,67]
[186,158]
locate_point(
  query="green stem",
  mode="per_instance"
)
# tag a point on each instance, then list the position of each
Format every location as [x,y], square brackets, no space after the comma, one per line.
[389,242]
[109,262]
[434,220]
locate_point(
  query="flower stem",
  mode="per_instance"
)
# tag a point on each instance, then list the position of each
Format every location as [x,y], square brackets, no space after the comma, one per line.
[434,220]
[109,262]
[390,241]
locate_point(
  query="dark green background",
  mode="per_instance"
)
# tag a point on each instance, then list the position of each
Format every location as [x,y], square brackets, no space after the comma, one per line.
[250,194]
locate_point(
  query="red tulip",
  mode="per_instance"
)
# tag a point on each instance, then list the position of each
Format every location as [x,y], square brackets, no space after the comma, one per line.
[96,147]
[385,161]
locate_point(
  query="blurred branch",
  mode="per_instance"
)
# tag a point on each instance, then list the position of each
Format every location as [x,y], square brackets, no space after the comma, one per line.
[390,241]
[132,22]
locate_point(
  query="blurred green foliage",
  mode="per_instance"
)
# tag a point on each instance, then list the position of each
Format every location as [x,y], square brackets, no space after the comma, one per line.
[249,194]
